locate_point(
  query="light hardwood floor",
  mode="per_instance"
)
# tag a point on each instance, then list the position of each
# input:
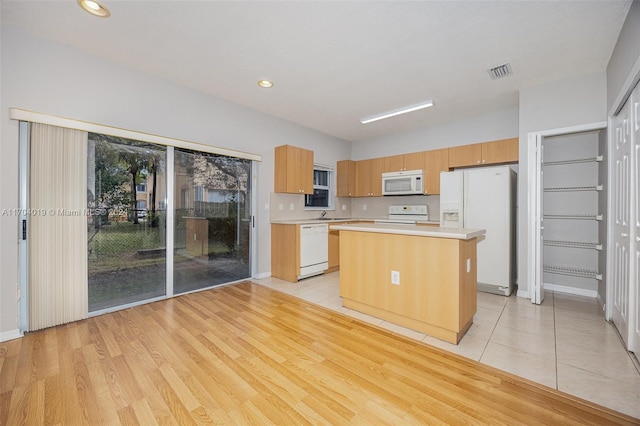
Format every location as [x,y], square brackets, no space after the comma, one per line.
[247,354]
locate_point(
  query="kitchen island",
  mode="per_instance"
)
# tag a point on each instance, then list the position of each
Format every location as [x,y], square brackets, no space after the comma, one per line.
[423,278]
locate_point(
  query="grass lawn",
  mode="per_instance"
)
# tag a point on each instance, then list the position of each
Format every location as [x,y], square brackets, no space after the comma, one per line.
[118,274]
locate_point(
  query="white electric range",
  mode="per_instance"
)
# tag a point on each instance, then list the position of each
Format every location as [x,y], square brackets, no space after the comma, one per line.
[409,215]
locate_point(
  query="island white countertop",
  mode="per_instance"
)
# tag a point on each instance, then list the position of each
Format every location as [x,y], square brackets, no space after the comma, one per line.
[334,220]
[419,231]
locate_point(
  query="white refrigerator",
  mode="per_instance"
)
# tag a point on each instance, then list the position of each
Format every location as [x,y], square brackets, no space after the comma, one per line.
[484,198]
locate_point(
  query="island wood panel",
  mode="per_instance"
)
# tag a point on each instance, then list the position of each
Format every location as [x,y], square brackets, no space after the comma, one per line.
[285,251]
[334,246]
[246,354]
[433,295]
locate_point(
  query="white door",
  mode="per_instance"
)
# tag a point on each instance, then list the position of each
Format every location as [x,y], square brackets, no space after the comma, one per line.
[634,344]
[621,153]
[536,219]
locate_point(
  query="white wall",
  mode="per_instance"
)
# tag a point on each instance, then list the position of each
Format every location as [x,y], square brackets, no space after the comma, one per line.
[45,77]
[571,102]
[491,126]
[625,60]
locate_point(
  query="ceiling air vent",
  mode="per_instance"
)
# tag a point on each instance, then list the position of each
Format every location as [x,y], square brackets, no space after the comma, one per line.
[500,71]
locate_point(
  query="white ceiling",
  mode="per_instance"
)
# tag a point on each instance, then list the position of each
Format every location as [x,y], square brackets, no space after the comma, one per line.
[334,62]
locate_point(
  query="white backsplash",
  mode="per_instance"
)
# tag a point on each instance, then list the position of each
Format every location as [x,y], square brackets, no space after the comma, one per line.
[291,206]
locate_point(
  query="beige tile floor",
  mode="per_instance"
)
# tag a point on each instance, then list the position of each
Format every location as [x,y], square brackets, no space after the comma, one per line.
[564,343]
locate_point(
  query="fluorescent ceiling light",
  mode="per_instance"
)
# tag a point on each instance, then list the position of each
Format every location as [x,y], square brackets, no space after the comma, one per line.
[395,112]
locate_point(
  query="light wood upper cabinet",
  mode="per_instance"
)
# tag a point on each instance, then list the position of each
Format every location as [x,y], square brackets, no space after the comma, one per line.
[346,179]
[494,152]
[293,170]
[465,155]
[397,163]
[500,151]
[364,178]
[414,161]
[435,161]
[369,177]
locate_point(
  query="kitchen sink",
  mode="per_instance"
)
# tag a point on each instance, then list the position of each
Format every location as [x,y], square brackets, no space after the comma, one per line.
[334,218]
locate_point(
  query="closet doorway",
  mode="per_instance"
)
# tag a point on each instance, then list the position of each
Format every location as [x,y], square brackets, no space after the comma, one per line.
[567,214]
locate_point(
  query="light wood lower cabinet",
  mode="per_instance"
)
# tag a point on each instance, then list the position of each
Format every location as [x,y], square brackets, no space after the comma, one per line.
[285,251]
[334,251]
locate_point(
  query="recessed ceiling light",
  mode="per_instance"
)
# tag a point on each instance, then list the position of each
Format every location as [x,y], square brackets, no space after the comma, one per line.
[94,8]
[395,112]
[265,84]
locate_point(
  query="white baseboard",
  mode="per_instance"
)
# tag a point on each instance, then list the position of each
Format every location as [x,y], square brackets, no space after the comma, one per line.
[10,335]
[523,293]
[263,275]
[571,290]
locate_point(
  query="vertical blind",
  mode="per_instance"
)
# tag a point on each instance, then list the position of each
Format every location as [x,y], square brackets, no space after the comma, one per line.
[57,233]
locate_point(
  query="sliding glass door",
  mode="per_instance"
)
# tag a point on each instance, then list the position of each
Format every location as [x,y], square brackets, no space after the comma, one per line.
[212,220]
[126,219]
[149,219]
[127,187]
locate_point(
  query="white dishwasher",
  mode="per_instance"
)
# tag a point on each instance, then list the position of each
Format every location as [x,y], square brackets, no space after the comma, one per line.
[314,249]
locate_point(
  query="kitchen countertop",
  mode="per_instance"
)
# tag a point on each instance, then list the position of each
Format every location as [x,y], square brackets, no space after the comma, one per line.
[334,220]
[420,231]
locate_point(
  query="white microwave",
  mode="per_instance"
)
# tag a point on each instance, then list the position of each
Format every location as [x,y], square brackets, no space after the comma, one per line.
[408,182]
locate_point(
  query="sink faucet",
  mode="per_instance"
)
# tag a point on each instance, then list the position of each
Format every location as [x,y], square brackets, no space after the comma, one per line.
[323,214]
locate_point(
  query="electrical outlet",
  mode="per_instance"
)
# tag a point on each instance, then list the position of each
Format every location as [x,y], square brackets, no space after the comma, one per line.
[266,206]
[344,207]
[468,265]
[292,206]
[364,207]
[395,277]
